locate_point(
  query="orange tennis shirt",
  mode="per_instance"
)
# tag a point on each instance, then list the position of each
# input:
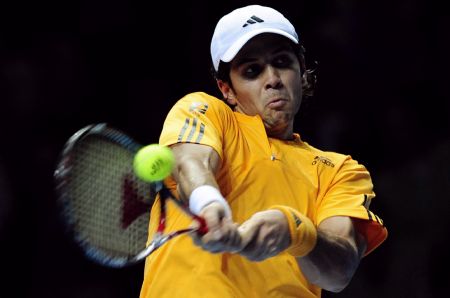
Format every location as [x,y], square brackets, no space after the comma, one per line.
[256,173]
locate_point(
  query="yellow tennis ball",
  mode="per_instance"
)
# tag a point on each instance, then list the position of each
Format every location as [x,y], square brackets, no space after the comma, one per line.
[153,162]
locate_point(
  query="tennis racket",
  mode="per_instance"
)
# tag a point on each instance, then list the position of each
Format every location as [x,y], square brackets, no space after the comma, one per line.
[104,206]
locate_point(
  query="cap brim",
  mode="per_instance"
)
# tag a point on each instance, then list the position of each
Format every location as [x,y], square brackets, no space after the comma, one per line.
[237,46]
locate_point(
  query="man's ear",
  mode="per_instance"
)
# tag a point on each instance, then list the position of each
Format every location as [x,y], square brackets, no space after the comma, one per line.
[309,81]
[304,79]
[227,92]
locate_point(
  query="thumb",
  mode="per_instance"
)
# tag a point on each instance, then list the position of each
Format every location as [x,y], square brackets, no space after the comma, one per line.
[213,214]
[247,232]
[194,225]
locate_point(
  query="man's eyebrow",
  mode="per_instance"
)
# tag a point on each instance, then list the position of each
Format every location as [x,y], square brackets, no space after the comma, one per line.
[281,48]
[244,60]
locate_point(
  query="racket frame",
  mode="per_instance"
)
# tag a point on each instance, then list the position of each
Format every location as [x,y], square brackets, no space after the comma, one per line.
[62,176]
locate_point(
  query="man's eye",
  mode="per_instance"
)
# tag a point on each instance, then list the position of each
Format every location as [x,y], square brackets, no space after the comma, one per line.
[252,71]
[282,61]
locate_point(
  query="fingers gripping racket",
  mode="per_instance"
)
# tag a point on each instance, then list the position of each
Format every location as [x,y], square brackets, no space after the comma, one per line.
[104,205]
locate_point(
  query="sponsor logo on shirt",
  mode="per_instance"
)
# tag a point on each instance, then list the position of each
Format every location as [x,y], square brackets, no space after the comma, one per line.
[325,160]
[198,107]
[296,219]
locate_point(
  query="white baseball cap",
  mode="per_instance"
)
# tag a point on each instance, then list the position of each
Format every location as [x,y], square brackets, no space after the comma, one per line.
[235,29]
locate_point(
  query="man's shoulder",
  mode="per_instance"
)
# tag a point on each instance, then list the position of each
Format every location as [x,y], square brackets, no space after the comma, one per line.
[202,98]
[201,102]
[329,158]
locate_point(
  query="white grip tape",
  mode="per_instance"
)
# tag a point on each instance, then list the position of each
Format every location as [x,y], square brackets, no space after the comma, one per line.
[205,195]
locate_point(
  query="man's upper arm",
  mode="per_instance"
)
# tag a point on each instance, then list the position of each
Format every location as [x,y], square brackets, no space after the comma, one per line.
[195,165]
[343,226]
[195,119]
[207,155]
[349,193]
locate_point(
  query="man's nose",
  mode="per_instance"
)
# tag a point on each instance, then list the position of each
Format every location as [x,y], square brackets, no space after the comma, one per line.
[273,79]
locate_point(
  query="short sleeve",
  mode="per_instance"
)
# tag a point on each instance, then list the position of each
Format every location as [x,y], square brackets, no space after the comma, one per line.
[350,193]
[196,118]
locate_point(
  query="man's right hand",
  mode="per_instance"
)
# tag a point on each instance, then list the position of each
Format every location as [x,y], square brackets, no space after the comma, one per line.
[222,235]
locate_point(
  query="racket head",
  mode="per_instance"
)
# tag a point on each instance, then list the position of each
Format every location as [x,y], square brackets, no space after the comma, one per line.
[104,206]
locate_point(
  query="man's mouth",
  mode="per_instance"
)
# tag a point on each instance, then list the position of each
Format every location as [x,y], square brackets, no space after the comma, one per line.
[277,103]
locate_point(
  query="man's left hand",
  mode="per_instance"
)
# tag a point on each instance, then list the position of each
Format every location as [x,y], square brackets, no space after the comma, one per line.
[264,235]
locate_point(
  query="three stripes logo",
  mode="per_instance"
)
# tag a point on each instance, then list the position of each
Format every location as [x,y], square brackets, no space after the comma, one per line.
[193,129]
[253,20]
[370,215]
[296,219]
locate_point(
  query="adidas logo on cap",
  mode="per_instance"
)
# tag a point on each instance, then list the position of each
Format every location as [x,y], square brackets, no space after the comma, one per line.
[252,20]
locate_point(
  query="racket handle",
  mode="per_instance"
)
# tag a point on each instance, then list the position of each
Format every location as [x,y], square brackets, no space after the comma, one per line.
[203,228]
[166,193]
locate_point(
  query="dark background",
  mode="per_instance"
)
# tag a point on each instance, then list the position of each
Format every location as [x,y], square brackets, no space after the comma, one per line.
[383,97]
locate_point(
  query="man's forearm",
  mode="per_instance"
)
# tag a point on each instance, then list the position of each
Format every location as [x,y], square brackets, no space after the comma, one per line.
[333,261]
[195,166]
[191,174]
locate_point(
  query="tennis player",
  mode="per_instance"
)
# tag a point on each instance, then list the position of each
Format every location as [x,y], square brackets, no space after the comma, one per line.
[286,219]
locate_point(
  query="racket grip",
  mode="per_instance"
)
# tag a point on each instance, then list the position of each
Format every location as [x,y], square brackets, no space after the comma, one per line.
[203,228]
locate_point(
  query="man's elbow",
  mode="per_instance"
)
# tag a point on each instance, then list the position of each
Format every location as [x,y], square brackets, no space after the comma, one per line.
[336,287]
[339,279]
[338,282]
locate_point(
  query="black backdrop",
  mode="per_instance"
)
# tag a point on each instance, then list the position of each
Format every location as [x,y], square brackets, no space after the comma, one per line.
[382,98]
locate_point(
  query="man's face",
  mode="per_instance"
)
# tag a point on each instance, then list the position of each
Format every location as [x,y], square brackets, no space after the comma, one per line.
[266,80]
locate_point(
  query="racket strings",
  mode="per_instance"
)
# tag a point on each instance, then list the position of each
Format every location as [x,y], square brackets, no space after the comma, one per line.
[110,205]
